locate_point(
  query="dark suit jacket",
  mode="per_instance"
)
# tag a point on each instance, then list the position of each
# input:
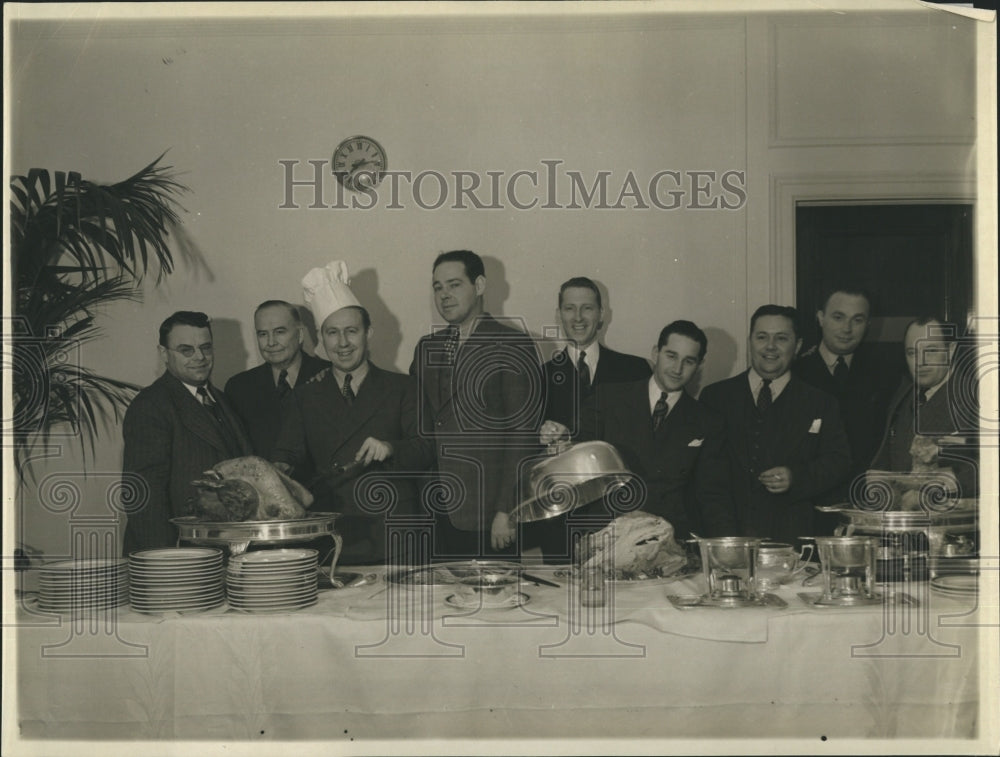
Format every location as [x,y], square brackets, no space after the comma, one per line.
[320,429]
[681,464]
[569,403]
[864,401]
[948,411]
[170,440]
[819,458]
[256,400]
[483,413]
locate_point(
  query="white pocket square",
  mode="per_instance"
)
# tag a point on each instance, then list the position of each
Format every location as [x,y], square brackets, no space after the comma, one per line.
[695,442]
[817,424]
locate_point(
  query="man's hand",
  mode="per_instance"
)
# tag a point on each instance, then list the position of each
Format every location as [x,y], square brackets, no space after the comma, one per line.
[502,534]
[776,480]
[373,451]
[552,432]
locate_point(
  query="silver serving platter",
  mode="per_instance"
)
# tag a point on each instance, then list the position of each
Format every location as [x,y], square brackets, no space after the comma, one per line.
[238,535]
[449,573]
[962,512]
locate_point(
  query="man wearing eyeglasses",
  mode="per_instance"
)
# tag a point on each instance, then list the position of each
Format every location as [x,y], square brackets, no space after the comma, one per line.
[175,429]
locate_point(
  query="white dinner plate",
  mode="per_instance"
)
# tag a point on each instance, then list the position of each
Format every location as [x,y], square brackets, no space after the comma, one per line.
[78,578]
[275,596]
[174,595]
[82,607]
[272,588]
[286,607]
[95,592]
[177,607]
[289,570]
[86,565]
[180,576]
[272,598]
[958,584]
[172,554]
[95,596]
[274,610]
[177,601]
[461,603]
[948,586]
[290,578]
[268,557]
[85,588]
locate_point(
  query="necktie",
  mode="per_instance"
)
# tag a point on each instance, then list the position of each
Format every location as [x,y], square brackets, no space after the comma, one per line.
[283,386]
[764,396]
[213,407]
[659,410]
[209,401]
[349,395]
[583,370]
[840,370]
[451,343]
[921,398]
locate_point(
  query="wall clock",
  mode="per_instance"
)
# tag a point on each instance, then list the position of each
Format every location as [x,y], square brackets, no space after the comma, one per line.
[358,163]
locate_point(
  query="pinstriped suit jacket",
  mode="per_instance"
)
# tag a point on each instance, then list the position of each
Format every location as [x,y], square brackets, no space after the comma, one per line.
[171,439]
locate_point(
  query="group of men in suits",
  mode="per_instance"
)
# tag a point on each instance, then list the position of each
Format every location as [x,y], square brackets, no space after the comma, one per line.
[751,456]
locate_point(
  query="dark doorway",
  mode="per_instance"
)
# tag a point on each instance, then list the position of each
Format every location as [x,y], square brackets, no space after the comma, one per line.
[914,258]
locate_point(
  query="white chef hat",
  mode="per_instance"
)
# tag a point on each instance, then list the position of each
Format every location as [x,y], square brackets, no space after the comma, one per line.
[327,290]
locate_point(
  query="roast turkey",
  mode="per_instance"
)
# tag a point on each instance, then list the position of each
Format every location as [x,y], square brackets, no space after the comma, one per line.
[634,546]
[248,488]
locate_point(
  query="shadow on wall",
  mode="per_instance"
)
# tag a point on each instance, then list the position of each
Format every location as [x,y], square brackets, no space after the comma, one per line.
[386,333]
[231,354]
[720,360]
[497,286]
[309,327]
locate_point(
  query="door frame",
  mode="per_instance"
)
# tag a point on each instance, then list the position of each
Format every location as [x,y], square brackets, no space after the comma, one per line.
[790,189]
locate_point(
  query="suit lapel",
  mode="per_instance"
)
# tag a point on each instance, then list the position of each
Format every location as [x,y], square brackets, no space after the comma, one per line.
[309,368]
[194,416]
[433,375]
[235,424]
[742,408]
[369,398]
[264,380]
[678,419]
[605,365]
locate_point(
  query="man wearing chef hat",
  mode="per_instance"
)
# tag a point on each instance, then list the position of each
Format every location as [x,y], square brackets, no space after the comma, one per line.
[354,416]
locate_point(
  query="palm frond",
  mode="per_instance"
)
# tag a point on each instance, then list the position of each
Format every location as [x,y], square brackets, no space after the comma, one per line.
[105,229]
[75,247]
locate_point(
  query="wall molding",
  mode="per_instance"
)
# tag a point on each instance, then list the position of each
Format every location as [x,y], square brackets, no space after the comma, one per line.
[778,139]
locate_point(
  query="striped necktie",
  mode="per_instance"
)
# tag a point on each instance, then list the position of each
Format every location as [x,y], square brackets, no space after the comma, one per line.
[659,410]
[349,395]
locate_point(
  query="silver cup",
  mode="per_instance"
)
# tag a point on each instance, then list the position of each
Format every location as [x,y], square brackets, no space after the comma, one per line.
[848,564]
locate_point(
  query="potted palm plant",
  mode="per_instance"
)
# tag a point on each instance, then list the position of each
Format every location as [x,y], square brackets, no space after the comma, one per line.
[75,247]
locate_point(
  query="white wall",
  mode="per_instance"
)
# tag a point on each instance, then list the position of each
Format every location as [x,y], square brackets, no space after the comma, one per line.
[807,105]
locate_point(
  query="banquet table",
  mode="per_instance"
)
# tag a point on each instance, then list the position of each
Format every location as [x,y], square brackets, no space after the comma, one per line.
[384,660]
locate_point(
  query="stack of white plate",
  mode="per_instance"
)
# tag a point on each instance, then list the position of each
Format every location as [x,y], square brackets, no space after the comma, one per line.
[187,579]
[273,580]
[955,586]
[83,585]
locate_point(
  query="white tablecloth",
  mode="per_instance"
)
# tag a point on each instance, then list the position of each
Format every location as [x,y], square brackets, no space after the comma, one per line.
[401,663]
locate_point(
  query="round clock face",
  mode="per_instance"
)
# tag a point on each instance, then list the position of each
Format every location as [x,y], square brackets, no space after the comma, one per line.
[358,163]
